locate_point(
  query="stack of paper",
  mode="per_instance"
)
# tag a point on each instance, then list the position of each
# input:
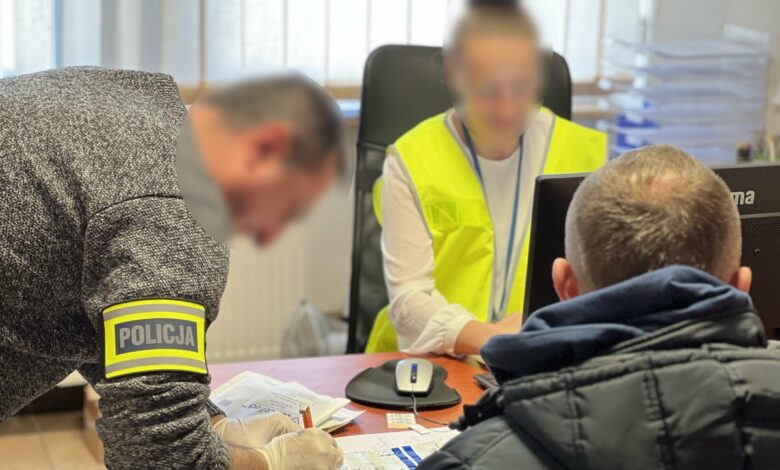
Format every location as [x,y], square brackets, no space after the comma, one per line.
[250,393]
[391,451]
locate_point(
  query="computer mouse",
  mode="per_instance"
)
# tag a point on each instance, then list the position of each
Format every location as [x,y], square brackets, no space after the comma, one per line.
[414,376]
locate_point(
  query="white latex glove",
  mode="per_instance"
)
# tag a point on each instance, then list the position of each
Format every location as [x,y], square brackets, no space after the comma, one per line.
[255,431]
[310,449]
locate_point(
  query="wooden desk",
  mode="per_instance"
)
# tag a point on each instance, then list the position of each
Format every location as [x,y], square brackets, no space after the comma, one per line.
[330,375]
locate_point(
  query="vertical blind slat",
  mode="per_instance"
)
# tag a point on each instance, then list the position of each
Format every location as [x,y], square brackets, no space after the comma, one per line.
[306,27]
[582,44]
[265,34]
[180,49]
[32,41]
[347,40]
[79,45]
[7,33]
[388,22]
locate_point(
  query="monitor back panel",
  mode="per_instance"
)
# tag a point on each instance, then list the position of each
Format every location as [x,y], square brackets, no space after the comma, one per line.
[756,191]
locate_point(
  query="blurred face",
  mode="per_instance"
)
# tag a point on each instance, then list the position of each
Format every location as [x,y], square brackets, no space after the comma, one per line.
[497,78]
[265,191]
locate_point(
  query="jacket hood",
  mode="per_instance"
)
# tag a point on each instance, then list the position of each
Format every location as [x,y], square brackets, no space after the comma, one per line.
[631,315]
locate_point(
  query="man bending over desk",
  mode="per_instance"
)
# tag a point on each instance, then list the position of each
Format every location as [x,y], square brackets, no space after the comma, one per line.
[655,358]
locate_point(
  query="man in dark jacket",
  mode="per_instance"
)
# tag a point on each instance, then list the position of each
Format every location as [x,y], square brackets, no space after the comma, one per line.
[655,357]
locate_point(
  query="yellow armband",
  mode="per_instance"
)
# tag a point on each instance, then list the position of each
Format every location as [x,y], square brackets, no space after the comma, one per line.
[153,335]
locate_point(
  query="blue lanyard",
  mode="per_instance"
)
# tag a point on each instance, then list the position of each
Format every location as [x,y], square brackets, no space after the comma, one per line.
[511,245]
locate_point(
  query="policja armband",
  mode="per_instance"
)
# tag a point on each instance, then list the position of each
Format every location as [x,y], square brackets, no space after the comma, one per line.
[154,335]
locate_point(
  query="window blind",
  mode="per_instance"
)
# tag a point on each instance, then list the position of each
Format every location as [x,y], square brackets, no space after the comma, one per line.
[205,40]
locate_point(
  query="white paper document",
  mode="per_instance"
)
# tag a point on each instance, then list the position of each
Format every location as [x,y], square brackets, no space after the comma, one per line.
[402,450]
[250,393]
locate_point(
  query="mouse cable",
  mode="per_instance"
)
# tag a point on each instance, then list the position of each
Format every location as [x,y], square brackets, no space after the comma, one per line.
[430,420]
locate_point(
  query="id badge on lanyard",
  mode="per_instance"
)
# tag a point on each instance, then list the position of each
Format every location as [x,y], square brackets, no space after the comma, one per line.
[511,242]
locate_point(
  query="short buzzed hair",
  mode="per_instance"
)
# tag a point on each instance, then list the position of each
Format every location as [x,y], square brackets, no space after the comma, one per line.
[295,99]
[650,208]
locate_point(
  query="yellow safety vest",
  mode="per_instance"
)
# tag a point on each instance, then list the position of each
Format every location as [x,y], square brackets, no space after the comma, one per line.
[457,216]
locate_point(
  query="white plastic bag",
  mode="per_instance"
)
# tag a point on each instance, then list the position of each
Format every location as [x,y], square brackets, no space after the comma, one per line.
[309,333]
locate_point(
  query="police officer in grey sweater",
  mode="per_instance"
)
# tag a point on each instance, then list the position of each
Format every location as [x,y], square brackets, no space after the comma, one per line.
[105,269]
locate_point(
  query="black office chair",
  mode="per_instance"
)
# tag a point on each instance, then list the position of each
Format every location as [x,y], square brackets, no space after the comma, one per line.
[403,85]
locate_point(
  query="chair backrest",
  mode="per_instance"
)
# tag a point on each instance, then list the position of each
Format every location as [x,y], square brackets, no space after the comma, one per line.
[402,85]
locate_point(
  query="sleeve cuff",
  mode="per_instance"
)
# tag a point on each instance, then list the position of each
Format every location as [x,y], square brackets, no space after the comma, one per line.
[441,331]
[213,409]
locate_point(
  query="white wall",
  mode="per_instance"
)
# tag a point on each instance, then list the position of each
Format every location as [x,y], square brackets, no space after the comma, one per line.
[686,19]
[763,15]
[329,244]
[328,252]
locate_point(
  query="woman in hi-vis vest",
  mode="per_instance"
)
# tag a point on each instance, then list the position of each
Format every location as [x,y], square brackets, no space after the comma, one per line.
[456,191]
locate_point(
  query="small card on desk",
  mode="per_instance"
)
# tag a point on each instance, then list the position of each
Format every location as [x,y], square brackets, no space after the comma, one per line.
[400,420]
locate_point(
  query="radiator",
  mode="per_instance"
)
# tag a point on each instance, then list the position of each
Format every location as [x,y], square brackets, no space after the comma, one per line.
[264,287]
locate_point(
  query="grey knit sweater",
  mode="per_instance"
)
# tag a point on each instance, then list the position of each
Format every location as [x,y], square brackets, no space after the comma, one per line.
[91,215]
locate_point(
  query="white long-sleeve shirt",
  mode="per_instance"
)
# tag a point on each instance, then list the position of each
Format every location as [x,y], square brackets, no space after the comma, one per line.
[424,319]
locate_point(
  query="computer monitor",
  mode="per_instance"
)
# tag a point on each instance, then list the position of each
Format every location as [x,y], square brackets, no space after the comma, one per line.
[755,191]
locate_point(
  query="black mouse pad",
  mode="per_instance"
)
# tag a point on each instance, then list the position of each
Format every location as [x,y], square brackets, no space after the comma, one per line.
[376,387]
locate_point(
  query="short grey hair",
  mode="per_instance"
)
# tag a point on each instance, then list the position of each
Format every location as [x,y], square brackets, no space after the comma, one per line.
[316,120]
[650,208]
